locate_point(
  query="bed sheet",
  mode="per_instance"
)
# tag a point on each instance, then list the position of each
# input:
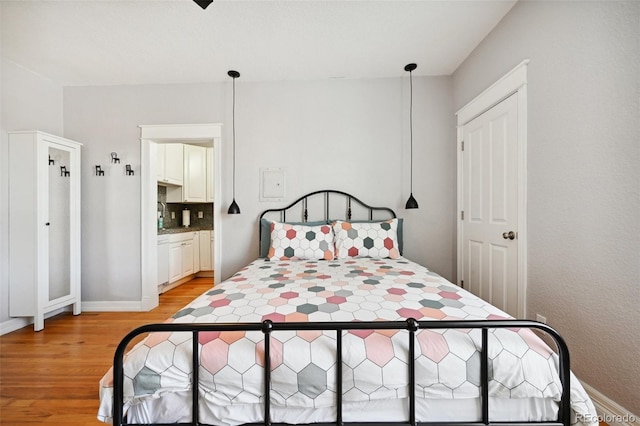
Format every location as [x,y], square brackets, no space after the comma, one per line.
[374,362]
[393,410]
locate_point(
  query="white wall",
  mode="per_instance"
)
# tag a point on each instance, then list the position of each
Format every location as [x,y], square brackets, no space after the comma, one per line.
[105,120]
[29,102]
[583,175]
[342,134]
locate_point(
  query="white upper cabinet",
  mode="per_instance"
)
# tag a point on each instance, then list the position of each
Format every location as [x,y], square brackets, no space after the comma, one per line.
[195,174]
[210,175]
[193,187]
[170,163]
[161,168]
[44,225]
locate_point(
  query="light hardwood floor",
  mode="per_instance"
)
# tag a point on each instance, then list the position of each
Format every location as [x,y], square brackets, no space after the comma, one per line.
[51,376]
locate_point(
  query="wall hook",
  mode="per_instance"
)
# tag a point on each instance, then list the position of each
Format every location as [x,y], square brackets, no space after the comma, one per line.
[51,161]
[114,158]
[129,170]
[64,172]
[99,171]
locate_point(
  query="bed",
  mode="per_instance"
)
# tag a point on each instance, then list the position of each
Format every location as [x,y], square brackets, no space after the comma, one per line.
[412,348]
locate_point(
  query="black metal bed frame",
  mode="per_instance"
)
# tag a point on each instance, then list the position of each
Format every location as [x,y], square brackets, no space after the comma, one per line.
[327,193]
[411,325]
[327,203]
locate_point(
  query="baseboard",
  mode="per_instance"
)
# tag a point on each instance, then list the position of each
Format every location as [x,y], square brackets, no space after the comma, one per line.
[163,288]
[20,322]
[14,324]
[610,411]
[17,323]
[113,307]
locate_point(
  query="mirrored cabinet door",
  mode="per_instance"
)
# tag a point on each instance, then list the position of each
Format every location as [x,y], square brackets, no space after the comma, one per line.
[44,222]
[59,224]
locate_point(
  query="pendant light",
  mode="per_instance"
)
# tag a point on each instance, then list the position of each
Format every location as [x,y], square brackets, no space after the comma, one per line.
[234,208]
[411,202]
[203,3]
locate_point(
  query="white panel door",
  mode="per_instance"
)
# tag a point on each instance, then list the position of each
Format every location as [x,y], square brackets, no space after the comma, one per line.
[490,206]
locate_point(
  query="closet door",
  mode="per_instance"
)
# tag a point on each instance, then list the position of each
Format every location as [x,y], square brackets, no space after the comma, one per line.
[490,205]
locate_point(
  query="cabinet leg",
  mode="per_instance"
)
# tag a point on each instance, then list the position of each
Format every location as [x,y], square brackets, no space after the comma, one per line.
[76,308]
[38,322]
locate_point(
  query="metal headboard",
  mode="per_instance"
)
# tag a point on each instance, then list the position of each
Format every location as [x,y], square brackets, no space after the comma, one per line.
[326,193]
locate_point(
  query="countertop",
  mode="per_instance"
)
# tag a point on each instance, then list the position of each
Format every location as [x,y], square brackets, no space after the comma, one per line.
[182,229]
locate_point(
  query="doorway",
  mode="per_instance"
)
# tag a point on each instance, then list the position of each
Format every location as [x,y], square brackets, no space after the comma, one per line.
[492,194]
[159,134]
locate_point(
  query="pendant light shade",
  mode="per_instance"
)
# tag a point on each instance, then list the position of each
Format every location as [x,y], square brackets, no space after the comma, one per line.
[203,3]
[234,208]
[411,202]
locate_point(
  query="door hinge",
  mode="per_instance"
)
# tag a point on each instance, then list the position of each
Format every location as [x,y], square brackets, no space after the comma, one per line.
[462,215]
[462,145]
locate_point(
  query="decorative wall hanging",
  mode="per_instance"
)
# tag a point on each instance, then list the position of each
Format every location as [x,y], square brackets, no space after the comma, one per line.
[114,158]
[129,170]
[99,171]
[64,172]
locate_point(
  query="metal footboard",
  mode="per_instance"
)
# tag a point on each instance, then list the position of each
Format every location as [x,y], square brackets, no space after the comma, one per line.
[411,325]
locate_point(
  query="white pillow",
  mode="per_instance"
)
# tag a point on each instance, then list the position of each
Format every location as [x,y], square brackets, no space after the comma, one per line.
[367,239]
[301,242]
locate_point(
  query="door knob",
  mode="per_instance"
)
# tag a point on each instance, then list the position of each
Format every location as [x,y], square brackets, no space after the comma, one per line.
[509,235]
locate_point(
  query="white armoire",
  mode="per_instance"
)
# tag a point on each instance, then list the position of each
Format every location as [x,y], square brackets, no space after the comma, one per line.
[44,225]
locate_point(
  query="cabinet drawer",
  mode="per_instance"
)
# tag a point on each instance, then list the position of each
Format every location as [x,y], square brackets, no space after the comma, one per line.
[180,237]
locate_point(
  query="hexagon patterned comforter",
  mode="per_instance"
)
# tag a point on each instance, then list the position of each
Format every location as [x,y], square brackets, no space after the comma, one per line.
[375,362]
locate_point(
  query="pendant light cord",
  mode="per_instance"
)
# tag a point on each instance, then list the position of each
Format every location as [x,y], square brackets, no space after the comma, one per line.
[233,127]
[233,208]
[411,202]
[411,128]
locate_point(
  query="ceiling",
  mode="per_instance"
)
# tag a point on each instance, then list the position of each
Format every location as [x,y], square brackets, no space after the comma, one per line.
[105,42]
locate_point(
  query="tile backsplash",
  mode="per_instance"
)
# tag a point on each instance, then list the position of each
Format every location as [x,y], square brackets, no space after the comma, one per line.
[206,208]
